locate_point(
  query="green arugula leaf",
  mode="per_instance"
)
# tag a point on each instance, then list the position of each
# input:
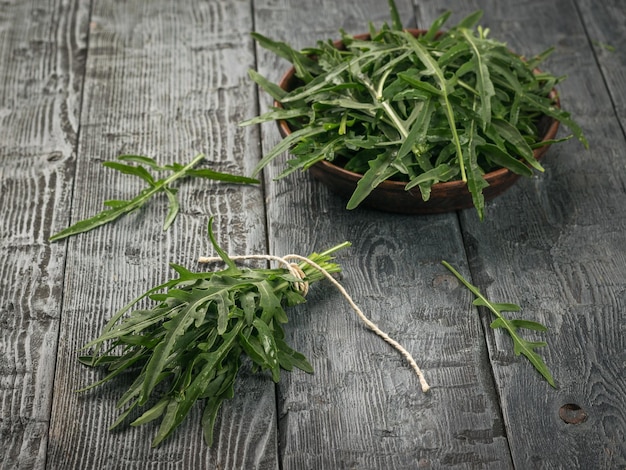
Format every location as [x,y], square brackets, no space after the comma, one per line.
[547,107]
[190,314]
[303,64]
[520,345]
[513,136]
[177,410]
[433,68]
[131,170]
[484,84]
[379,170]
[396,22]
[271,88]
[470,20]
[501,158]
[277,114]
[475,181]
[417,135]
[142,160]
[118,208]
[270,350]
[290,358]
[284,144]
[436,26]
[442,172]
[174,207]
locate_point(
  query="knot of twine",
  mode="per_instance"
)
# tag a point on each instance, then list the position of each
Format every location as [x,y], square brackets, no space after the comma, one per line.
[302,286]
[297,272]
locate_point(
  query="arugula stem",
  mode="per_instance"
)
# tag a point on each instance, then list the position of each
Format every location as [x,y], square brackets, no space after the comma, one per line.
[468,87]
[311,273]
[378,94]
[197,159]
[391,114]
[335,248]
[455,137]
[471,287]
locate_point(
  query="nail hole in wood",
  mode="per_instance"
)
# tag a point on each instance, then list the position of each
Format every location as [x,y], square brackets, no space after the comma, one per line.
[55,156]
[572,413]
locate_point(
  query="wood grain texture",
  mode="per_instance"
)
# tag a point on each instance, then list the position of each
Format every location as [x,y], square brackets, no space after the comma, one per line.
[363,408]
[554,245]
[604,24]
[168,80]
[82,82]
[41,52]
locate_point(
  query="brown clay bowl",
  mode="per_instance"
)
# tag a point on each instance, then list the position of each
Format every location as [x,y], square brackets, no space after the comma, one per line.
[390,196]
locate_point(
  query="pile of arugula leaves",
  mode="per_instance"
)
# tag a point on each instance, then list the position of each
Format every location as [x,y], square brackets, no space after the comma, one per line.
[188,346]
[422,110]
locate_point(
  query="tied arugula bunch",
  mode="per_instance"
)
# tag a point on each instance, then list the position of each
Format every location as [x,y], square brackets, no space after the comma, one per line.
[190,345]
[422,110]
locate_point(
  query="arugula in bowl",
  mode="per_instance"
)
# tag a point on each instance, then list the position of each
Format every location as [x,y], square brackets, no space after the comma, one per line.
[419,108]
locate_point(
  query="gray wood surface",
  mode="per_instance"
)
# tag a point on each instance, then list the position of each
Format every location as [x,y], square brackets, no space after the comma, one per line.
[83,82]
[42,50]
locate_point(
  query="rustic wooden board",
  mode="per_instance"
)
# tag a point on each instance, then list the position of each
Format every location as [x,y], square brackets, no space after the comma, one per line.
[363,407]
[168,80]
[604,24]
[41,52]
[554,245]
[83,82]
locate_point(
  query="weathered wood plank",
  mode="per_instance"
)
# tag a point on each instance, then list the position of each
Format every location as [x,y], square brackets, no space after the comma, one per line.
[604,25]
[41,52]
[554,244]
[363,407]
[169,80]
[165,79]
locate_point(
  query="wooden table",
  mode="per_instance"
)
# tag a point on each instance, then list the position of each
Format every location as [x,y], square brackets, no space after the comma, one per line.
[82,82]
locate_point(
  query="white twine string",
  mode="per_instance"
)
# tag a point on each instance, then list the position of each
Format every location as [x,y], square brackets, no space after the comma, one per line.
[303,287]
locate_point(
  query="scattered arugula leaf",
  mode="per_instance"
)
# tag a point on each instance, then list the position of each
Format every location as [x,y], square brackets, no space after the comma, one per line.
[422,110]
[188,347]
[520,345]
[604,45]
[117,208]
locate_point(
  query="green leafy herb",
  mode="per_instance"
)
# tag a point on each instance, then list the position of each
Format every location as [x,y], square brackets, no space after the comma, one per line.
[604,45]
[520,345]
[188,347]
[421,110]
[117,208]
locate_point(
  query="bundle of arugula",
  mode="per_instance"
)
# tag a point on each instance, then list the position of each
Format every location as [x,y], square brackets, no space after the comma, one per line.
[189,346]
[433,108]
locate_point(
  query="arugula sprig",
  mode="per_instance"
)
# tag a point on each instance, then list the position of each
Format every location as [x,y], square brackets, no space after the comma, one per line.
[189,345]
[421,110]
[118,208]
[520,345]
